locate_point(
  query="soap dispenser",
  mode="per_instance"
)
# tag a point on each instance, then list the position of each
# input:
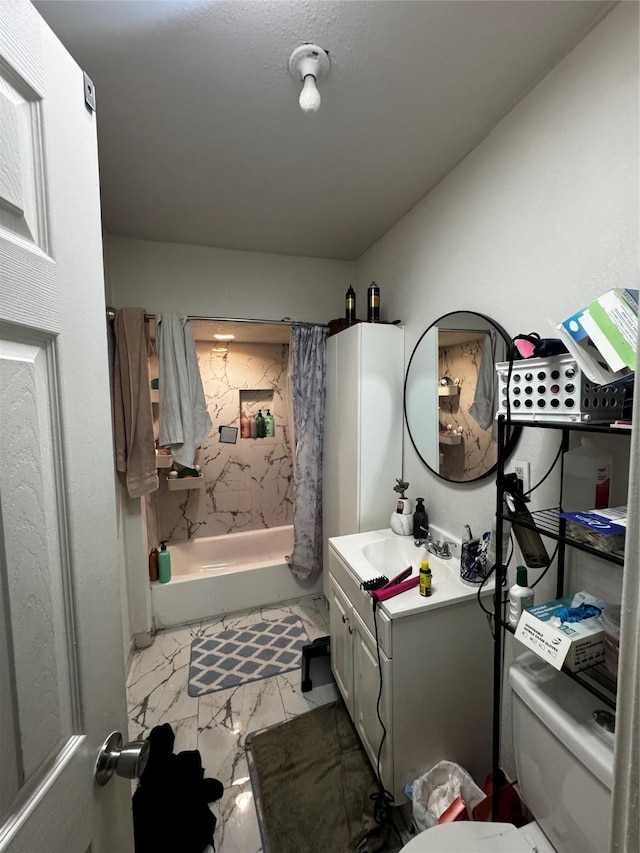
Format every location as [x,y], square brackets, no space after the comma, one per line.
[420,520]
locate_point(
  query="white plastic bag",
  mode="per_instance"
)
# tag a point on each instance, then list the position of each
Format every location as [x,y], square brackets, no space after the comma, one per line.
[434,792]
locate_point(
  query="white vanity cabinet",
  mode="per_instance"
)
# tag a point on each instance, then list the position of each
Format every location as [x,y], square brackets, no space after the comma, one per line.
[435,656]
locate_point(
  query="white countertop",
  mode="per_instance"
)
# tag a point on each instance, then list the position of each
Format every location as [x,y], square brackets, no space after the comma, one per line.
[378,552]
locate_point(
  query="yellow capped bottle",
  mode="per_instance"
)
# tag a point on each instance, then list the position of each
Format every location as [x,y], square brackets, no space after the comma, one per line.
[425,579]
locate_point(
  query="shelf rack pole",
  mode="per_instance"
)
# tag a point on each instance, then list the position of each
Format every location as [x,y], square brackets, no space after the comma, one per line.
[562,524]
[497,627]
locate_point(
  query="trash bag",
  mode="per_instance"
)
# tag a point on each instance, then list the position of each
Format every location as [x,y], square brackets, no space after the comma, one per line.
[435,791]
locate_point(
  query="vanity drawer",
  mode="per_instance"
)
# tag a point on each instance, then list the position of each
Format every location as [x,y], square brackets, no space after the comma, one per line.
[361,602]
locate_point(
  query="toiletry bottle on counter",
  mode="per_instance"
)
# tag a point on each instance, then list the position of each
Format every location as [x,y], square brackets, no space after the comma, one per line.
[520,596]
[420,520]
[153,564]
[425,579]
[245,427]
[586,478]
[253,427]
[350,306]
[269,424]
[373,303]
[260,425]
[164,564]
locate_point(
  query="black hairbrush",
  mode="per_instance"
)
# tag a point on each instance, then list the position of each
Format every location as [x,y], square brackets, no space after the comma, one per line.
[374,583]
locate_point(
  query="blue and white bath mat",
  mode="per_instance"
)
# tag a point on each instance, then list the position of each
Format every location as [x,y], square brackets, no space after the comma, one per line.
[240,655]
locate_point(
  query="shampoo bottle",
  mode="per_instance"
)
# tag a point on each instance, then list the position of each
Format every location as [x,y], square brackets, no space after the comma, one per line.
[420,520]
[253,427]
[245,427]
[520,596]
[260,425]
[586,478]
[350,306]
[164,564]
[153,564]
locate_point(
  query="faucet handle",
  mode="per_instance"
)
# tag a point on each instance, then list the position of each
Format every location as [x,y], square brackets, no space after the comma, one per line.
[444,547]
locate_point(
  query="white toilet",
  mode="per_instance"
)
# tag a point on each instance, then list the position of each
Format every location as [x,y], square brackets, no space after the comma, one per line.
[564,762]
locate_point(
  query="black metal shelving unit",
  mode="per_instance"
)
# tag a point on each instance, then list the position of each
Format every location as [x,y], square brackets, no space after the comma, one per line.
[548,523]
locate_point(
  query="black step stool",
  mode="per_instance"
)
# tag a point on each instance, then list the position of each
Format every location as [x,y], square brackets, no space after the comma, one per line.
[319,648]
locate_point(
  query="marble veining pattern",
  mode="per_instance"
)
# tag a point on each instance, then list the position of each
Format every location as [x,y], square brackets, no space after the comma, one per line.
[248,485]
[478,450]
[218,723]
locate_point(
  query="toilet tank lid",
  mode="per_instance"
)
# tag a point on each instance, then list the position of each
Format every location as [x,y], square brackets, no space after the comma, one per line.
[566,709]
[469,836]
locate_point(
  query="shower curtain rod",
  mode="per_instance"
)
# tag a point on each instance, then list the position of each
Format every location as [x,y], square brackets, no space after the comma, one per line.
[111,314]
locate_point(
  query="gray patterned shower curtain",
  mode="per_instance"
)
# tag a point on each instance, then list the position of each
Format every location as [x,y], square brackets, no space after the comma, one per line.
[307,370]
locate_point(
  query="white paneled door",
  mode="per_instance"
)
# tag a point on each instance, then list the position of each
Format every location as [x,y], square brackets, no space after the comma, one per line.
[61,657]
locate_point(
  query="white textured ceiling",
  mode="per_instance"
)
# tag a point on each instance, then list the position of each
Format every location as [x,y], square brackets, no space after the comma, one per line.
[202,141]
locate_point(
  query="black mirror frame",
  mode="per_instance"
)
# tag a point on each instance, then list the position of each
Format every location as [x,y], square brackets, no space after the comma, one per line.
[516,430]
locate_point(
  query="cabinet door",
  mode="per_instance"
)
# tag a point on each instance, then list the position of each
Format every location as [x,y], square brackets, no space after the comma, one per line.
[366,673]
[340,618]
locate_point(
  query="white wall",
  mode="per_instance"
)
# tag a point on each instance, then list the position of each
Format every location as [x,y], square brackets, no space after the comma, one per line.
[536,221]
[200,280]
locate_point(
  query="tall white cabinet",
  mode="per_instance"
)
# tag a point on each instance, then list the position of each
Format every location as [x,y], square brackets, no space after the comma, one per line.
[363,430]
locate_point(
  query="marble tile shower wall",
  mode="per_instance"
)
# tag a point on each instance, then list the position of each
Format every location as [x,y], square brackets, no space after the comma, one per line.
[247,485]
[464,461]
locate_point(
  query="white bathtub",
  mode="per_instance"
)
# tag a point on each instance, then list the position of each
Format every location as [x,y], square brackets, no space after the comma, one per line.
[214,575]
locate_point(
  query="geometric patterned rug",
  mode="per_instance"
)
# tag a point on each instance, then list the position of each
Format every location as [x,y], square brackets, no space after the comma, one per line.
[240,655]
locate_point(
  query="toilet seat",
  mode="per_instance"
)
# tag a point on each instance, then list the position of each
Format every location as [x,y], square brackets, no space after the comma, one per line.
[469,837]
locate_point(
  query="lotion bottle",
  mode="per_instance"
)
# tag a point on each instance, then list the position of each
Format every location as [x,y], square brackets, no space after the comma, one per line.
[253,427]
[269,424]
[520,596]
[164,564]
[261,429]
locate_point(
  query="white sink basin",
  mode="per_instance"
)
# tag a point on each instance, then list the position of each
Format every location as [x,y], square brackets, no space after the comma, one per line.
[381,552]
[390,556]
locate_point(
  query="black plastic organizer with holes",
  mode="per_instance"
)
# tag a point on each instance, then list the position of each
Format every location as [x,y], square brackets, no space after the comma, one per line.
[596,679]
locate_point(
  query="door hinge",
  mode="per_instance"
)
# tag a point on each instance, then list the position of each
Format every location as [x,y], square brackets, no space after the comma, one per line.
[89,92]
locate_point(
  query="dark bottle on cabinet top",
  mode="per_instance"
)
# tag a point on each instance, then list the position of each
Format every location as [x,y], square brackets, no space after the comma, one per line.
[350,306]
[373,303]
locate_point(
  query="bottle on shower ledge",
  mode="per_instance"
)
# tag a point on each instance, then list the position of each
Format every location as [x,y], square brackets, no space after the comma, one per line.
[253,427]
[245,426]
[164,564]
[261,428]
[269,424]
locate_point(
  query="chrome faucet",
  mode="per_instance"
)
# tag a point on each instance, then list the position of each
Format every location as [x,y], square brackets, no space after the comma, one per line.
[439,548]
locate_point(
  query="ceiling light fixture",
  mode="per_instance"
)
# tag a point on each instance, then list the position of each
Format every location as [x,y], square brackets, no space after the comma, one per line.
[310,64]
[224,337]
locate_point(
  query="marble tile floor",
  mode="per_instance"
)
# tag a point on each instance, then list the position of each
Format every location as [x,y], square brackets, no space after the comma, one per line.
[218,723]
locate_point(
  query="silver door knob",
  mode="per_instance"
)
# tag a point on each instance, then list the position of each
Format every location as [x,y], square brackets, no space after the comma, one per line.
[127,761]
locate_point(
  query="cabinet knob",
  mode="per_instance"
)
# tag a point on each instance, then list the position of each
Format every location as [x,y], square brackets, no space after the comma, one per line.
[344,619]
[350,629]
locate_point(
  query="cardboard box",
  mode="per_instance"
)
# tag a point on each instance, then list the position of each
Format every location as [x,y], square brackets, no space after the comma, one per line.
[586,637]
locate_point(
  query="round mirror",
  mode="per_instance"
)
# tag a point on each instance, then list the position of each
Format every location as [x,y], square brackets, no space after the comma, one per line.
[450,396]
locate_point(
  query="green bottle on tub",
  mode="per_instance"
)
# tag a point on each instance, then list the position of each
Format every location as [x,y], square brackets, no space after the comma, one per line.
[164,564]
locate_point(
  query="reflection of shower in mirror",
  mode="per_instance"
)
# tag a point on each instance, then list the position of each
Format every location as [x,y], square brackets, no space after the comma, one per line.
[454,432]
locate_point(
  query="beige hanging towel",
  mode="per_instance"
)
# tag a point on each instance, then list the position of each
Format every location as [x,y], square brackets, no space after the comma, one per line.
[133,422]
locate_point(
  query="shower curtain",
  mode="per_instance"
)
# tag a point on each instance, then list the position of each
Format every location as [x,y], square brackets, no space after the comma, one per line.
[307,370]
[625,812]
